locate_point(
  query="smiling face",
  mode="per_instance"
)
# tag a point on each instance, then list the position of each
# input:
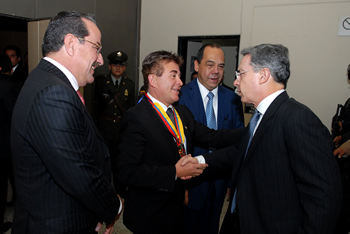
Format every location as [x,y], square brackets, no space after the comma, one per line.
[211,69]
[166,88]
[87,55]
[248,83]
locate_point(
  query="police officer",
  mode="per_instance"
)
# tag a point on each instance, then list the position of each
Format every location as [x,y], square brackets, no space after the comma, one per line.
[115,94]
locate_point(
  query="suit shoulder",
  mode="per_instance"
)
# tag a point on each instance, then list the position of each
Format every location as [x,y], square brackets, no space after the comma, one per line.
[187,90]
[294,105]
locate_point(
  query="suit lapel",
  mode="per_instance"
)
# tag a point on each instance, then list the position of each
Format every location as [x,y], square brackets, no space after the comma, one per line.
[264,124]
[221,107]
[156,121]
[197,102]
[52,69]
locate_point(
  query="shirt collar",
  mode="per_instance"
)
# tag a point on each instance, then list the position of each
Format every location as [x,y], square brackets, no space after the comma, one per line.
[204,91]
[264,104]
[161,104]
[14,68]
[65,71]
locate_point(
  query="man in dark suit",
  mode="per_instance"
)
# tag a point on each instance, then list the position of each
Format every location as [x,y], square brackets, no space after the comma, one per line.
[285,179]
[206,198]
[115,94]
[154,136]
[61,163]
[9,90]
[19,72]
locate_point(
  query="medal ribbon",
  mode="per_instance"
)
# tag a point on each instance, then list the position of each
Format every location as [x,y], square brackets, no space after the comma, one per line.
[177,131]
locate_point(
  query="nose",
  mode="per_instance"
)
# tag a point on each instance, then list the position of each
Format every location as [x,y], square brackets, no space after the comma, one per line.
[100,59]
[216,69]
[179,81]
[235,83]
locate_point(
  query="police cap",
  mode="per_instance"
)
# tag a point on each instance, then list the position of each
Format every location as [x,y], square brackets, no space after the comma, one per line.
[117,57]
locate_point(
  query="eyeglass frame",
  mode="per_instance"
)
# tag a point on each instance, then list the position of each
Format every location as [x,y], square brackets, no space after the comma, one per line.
[238,74]
[99,47]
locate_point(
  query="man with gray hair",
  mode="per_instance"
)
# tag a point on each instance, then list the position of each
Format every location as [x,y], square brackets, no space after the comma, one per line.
[61,163]
[284,176]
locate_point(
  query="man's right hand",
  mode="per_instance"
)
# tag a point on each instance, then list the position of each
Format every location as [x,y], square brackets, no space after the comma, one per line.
[188,167]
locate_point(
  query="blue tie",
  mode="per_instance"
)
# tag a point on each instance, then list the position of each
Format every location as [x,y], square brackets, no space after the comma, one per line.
[209,112]
[252,124]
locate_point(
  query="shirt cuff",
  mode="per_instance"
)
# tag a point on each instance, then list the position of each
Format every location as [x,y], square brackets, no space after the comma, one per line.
[200,159]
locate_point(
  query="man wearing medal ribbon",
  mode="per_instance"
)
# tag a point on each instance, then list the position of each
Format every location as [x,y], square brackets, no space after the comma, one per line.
[154,144]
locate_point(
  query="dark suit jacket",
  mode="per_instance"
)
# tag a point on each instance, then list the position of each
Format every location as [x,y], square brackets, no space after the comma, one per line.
[289,180]
[9,90]
[20,74]
[230,115]
[61,163]
[146,163]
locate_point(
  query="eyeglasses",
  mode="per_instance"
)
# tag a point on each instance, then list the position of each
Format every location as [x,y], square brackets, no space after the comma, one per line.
[99,47]
[238,74]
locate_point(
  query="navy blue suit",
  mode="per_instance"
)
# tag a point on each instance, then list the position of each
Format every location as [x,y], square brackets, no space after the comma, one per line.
[204,193]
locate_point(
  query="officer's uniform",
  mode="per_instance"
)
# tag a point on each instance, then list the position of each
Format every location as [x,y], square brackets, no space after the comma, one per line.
[112,102]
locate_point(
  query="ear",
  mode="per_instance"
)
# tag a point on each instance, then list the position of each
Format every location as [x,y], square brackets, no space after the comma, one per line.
[152,79]
[196,65]
[70,44]
[265,75]
[109,67]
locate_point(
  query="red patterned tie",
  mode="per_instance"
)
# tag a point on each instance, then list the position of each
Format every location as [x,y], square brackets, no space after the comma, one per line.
[81,97]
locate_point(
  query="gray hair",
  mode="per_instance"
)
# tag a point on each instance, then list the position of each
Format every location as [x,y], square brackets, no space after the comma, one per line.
[273,57]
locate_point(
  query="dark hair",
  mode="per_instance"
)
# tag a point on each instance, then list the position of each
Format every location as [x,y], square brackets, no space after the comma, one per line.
[154,64]
[273,57]
[201,50]
[15,48]
[65,22]
[5,64]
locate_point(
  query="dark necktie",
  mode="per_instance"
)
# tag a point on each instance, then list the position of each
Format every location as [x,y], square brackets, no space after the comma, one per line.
[116,84]
[170,112]
[252,124]
[209,112]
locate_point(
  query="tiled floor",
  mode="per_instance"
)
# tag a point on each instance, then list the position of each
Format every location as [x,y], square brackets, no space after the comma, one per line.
[118,227]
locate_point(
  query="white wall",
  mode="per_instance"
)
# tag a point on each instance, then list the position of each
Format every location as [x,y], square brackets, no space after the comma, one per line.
[319,57]
[162,22]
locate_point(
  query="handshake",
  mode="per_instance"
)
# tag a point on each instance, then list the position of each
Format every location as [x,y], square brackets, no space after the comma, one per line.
[188,167]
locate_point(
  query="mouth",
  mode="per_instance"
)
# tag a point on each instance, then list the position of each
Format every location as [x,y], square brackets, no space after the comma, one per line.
[214,79]
[176,90]
[94,65]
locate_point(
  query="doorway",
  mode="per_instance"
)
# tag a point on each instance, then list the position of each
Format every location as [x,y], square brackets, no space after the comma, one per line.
[13,31]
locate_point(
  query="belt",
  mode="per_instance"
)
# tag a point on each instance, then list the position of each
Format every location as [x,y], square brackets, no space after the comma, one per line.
[111,118]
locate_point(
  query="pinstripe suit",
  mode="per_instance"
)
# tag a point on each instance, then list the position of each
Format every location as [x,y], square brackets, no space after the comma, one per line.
[289,180]
[61,163]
